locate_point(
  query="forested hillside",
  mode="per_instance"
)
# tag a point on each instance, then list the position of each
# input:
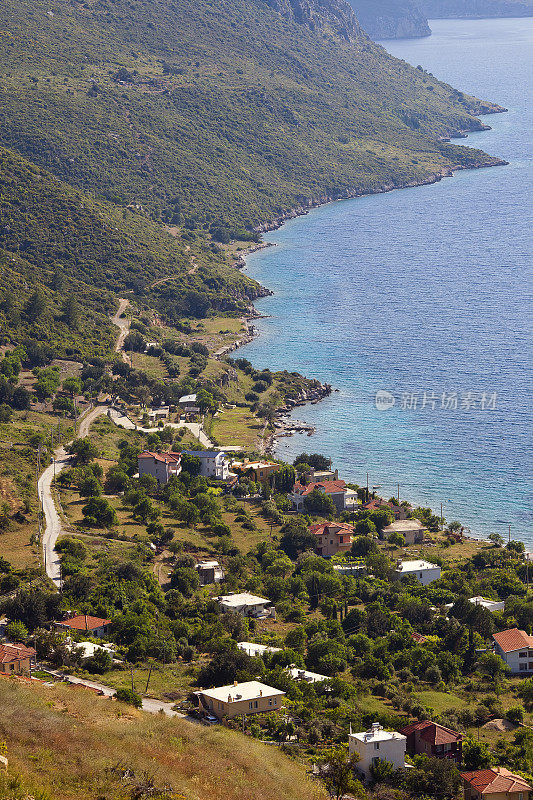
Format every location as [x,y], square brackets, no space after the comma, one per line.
[211,113]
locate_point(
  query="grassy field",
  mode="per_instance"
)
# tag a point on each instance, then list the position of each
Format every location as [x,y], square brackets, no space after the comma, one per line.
[66,742]
[237,426]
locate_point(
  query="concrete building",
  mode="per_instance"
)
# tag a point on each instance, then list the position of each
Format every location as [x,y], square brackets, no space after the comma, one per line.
[210,572]
[334,489]
[96,626]
[377,744]
[496,783]
[16,659]
[257,471]
[161,466]
[490,605]
[332,537]
[156,414]
[412,530]
[249,605]
[252,649]
[355,568]
[250,697]
[299,674]
[424,572]
[187,403]
[213,463]
[516,649]
[433,740]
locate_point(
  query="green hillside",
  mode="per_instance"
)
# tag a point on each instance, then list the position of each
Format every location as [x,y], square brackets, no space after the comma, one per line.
[214,113]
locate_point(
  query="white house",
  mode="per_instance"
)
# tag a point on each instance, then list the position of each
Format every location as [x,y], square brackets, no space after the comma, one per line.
[249,605]
[516,649]
[188,404]
[213,463]
[490,605]
[412,530]
[298,674]
[156,414]
[252,649]
[424,572]
[210,572]
[377,744]
[250,697]
[160,465]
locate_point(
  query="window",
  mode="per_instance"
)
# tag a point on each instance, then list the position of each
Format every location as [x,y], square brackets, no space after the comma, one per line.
[275,702]
[376,745]
[522,667]
[522,654]
[520,795]
[270,702]
[250,705]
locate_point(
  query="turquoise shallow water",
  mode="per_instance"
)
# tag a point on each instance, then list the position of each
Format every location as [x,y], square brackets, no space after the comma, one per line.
[422,293]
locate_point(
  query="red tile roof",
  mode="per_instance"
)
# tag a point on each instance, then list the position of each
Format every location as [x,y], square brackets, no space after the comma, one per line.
[15,652]
[495,780]
[167,458]
[84,622]
[432,732]
[341,528]
[329,487]
[513,639]
[418,638]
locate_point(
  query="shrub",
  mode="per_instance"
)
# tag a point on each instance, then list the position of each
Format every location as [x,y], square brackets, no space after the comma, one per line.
[130,697]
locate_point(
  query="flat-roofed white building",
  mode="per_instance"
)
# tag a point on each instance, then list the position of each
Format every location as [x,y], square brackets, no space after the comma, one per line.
[299,674]
[252,649]
[377,744]
[250,697]
[249,605]
[210,572]
[424,572]
[490,605]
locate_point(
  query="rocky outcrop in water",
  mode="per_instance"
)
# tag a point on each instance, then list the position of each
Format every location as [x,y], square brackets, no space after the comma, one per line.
[390,19]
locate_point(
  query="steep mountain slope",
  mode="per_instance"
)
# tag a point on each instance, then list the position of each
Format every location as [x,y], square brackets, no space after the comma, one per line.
[210,113]
[391,19]
[476,8]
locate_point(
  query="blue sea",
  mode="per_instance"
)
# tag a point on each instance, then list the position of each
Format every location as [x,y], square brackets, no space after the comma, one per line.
[422,297]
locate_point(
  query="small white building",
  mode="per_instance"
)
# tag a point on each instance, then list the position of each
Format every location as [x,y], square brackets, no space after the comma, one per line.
[210,572]
[156,414]
[252,649]
[213,463]
[161,466]
[516,648]
[377,744]
[424,572]
[490,605]
[188,405]
[298,674]
[249,605]
[412,530]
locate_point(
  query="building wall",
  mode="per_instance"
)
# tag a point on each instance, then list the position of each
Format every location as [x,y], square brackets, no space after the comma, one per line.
[230,710]
[424,576]
[519,661]
[392,750]
[19,667]
[330,544]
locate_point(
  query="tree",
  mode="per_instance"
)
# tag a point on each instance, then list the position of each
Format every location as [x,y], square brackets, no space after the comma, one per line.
[144,510]
[16,631]
[496,539]
[432,777]
[317,502]
[100,662]
[337,772]
[35,306]
[90,486]
[525,692]
[72,386]
[205,401]
[284,478]
[296,538]
[21,399]
[191,464]
[365,527]
[492,665]
[380,770]
[315,460]
[98,513]
[476,755]
[135,341]
[186,580]
[83,451]
[71,312]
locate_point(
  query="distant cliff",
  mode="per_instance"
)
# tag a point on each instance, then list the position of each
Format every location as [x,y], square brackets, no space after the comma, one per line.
[322,16]
[391,19]
[476,8]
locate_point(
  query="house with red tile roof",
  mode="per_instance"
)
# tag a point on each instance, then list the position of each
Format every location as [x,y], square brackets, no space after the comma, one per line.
[16,659]
[332,537]
[516,649]
[96,626]
[430,739]
[378,502]
[496,783]
[334,489]
[160,466]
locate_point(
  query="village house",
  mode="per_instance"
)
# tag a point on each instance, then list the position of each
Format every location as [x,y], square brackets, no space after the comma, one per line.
[496,783]
[317,475]
[412,530]
[490,605]
[210,572]
[161,466]
[96,626]
[213,463]
[252,649]
[332,538]
[516,649]
[250,697]
[354,568]
[187,403]
[423,571]
[249,605]
[16,659]
[377,744]
[334,489]
[430,739]
[376,503]
[156,414]
[299,674]
[257,471]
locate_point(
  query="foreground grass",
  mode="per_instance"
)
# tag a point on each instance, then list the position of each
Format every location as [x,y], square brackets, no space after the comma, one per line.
[66,742]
